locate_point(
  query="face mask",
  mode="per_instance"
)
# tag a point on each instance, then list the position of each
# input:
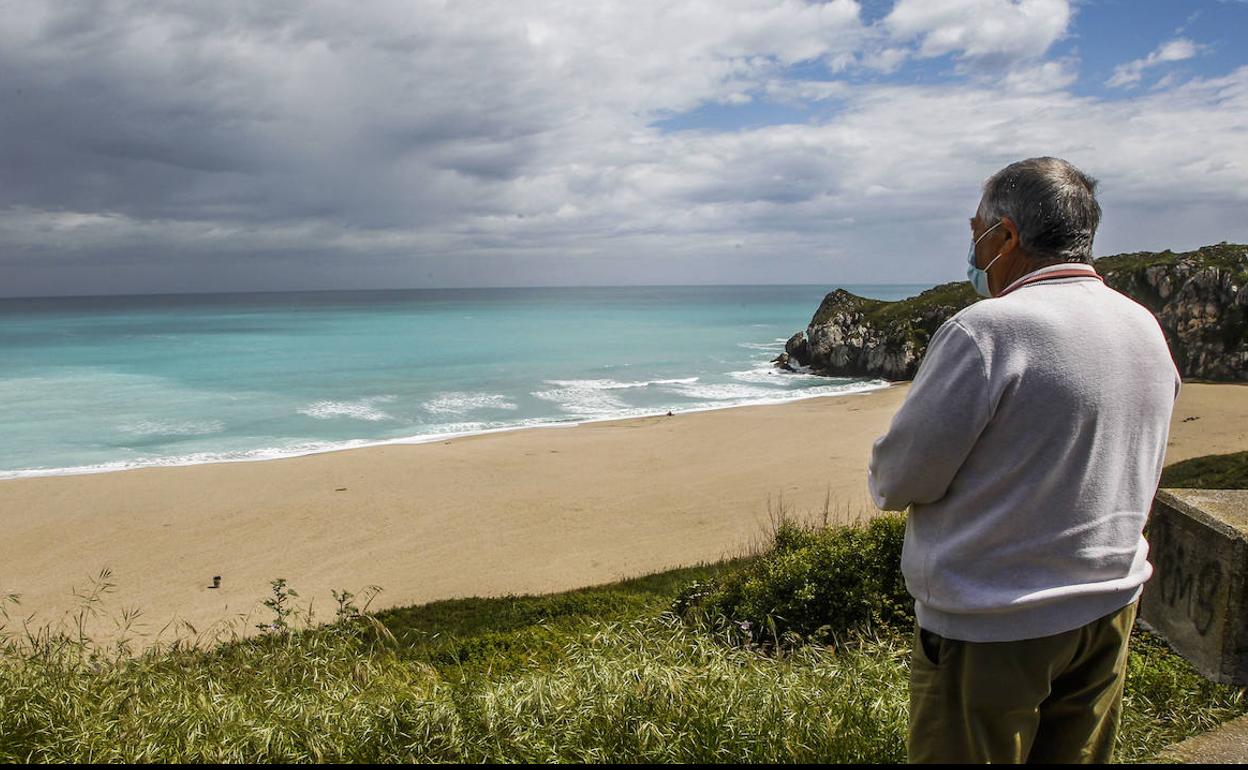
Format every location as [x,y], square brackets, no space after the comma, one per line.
[977,277]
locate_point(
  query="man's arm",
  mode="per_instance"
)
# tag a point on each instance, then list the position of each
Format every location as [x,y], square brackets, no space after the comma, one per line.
[933,431]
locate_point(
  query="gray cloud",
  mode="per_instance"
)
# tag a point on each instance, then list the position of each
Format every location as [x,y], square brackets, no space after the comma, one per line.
[229,145]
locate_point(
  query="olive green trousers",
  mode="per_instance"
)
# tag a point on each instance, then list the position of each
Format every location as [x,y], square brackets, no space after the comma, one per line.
[1052,699]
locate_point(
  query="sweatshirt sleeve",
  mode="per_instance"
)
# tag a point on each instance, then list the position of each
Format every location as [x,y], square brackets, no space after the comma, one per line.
[948,406]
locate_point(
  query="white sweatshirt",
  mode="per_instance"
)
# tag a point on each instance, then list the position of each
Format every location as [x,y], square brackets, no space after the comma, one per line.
[1029,449]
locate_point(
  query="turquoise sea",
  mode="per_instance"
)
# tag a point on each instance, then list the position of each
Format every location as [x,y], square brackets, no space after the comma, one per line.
[90,384]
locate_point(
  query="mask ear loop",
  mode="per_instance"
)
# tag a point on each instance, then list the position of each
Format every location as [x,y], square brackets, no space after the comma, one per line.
[990,229]
[981,237]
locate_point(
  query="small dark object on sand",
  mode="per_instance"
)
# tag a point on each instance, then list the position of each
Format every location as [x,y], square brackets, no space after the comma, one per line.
[669,414]
[341,489]
[216,581]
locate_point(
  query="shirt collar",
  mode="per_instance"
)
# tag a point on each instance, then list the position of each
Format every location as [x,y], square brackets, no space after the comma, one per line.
[1080,266]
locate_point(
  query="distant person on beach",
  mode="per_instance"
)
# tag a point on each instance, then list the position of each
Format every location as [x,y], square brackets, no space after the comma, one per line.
[1028,450]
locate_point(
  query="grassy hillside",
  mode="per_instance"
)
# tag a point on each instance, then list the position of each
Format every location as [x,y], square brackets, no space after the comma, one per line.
[1224,256]
[598,674]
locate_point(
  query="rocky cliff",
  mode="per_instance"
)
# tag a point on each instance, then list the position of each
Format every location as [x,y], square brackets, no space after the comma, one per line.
[1200,299]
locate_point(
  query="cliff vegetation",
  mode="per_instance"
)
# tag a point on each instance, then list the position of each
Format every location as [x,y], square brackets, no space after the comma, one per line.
[1200,299]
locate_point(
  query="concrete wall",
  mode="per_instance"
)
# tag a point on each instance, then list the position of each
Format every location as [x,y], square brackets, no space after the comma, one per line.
[1196,598]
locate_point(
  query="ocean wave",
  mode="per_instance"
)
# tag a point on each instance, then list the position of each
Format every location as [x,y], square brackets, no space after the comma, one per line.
[772,396]
[362,409]
[769,347]
[461,427]
[615,384]
[291,449]
[725,391]
[194,458]
[770,375]
[594,397]
[839,390]
[456,402]
[581,399]
[172,427]
[439,433]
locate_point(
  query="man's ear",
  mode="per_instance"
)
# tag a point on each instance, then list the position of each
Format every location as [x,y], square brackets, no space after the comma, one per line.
[1009,236]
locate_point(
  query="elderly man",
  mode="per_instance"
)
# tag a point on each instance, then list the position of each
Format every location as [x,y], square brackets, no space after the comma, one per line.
[1028,451]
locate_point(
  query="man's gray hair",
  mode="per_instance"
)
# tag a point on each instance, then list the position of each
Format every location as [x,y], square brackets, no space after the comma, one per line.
[1052,203]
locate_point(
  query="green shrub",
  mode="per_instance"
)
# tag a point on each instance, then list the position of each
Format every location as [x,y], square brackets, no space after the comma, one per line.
[813,583]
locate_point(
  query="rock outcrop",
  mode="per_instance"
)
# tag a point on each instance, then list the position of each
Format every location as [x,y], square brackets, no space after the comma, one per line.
[795,352]
[1200,299]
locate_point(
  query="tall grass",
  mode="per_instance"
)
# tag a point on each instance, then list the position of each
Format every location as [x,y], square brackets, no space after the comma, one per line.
[294,698]
[644,691]
[654,691]
[600,674]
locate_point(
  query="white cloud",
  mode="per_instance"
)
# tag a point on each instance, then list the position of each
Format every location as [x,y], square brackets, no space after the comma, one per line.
[1045,76]
[1130,73]
[802,92]
[995,31]
[885,59]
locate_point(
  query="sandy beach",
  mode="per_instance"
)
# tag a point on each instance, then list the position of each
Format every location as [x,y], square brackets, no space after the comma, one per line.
[525,511]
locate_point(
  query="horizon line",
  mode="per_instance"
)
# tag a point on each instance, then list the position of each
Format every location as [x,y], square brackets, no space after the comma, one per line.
[441,288]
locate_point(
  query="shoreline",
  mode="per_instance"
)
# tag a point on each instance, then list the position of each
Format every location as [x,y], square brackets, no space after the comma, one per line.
[269,453]
[510,512]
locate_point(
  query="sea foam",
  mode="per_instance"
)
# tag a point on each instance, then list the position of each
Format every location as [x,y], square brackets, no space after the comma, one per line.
[726,391]
[769,347]
[770,375]
[362,409]
[461,403]
[615,384]
[599,397]
[581,399]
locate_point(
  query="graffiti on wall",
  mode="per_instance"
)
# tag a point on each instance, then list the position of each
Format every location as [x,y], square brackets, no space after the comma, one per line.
[1189,582]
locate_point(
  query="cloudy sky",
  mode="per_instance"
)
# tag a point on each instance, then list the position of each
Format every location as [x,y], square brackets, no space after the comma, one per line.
[208,146]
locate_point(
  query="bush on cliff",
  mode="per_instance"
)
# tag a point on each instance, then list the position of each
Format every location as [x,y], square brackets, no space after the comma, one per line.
[813,583]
